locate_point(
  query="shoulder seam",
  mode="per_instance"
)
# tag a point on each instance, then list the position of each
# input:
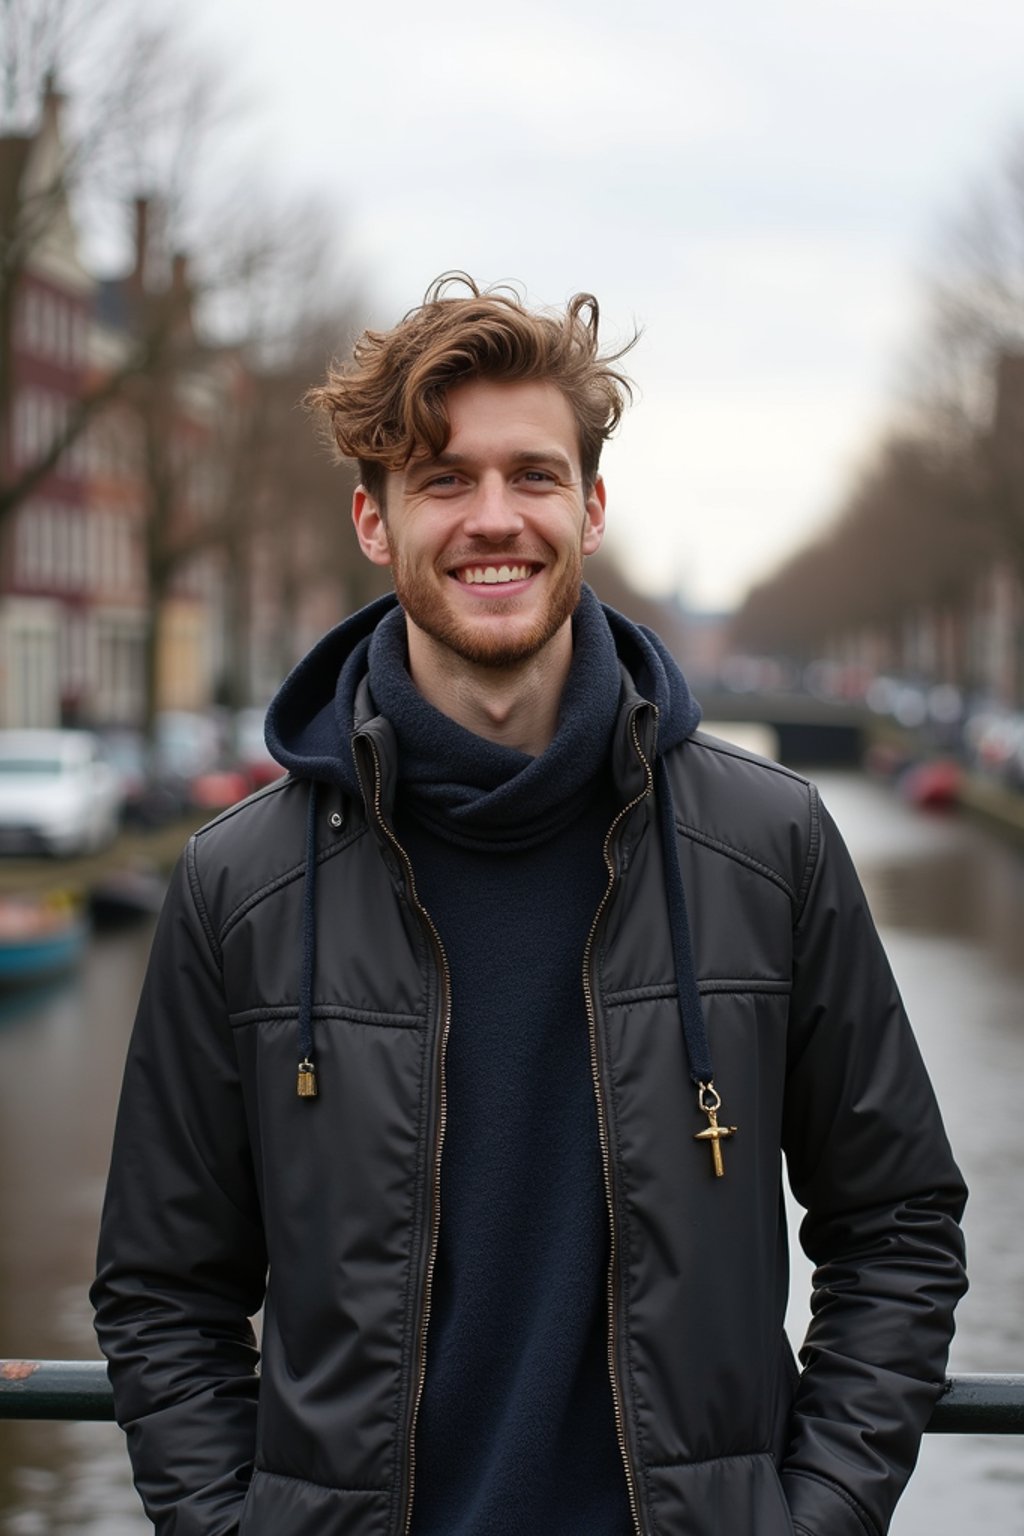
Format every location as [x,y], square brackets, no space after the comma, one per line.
[813,849]
[199,901]
[292,873]
[727,749]
[746,859]
[243,805]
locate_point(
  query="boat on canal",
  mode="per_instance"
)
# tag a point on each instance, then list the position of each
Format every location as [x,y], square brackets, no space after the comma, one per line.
[40,937]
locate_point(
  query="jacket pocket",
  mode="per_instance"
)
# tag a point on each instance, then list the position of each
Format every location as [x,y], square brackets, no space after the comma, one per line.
[729,1496]
[276,1505]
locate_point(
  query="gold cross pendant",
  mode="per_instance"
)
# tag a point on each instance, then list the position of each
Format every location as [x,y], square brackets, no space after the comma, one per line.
[710,1103]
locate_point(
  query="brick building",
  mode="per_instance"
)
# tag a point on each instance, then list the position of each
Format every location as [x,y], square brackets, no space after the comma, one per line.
[50,547]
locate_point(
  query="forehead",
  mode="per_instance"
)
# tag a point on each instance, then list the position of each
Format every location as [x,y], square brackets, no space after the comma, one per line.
[491,418]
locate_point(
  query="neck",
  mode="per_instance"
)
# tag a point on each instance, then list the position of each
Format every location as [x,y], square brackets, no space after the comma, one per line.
[515,706]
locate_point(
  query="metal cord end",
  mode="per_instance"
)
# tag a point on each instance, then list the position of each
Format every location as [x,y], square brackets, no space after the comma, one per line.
[306,1084]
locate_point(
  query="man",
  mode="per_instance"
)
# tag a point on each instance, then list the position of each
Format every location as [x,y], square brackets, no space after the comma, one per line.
[471,1051]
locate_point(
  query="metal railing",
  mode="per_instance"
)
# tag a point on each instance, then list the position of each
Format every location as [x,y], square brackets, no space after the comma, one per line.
[79,1389]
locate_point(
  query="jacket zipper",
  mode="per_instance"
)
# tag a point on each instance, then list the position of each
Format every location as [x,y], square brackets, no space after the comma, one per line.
[442,1120]
[602,1132]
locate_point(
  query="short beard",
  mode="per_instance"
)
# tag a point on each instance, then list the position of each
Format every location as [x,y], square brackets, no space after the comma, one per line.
[419,598]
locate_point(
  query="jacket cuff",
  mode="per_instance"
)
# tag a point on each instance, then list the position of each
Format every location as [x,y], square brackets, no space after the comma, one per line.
[821,1508]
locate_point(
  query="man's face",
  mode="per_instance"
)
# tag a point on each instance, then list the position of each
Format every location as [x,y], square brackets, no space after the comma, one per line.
[487,541]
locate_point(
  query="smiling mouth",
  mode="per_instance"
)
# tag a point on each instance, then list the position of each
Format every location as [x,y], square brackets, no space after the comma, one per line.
[493,575]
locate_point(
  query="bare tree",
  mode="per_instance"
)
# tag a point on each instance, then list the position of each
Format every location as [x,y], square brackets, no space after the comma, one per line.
[253,499]
[307,491]
[977,296]
[969,374]
[139,115]
[900,544]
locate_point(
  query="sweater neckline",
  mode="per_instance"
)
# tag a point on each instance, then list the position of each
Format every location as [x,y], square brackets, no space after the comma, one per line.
[475,792]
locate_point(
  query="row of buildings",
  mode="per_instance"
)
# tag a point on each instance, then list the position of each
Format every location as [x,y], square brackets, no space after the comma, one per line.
[74,589]
[118,577]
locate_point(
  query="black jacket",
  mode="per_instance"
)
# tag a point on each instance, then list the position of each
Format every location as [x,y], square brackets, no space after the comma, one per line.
[228,1191]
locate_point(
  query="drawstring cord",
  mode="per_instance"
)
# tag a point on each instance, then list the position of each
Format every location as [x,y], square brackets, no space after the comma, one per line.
[690,1009]
[306,1085]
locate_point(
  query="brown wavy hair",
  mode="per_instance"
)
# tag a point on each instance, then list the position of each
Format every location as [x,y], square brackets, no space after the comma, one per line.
[388,405]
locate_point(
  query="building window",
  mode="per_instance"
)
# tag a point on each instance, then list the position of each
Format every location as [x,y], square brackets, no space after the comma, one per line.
[76,549]
[125,561]
[63,332]
[47,325]
[25,434]
[44,544]
[25,547]
[111,573]
[93,551]
[79,342]
[61,547]
[33,323]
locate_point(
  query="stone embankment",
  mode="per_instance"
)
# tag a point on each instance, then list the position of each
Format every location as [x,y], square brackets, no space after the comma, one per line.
[133,849]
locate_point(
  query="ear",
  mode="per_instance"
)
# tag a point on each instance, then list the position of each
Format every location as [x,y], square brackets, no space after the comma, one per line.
[593,518]
[371,530]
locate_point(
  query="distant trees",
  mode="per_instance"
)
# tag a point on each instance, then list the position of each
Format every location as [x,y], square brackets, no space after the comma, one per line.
[904,537]
[972,379]
[222,445]
[942,499]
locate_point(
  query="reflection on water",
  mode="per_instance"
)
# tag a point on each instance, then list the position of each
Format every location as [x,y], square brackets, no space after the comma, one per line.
[60,1063]
[950,902]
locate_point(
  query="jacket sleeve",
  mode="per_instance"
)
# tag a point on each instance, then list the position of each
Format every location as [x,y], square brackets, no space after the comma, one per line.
[869,1160]
[182,1261]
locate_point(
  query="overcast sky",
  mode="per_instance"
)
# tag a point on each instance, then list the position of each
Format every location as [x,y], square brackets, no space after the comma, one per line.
[760,187]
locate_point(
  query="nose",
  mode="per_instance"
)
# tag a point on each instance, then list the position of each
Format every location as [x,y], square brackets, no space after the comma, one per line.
[492,514]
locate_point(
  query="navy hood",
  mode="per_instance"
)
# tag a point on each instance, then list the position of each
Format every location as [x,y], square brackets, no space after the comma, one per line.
[309,722]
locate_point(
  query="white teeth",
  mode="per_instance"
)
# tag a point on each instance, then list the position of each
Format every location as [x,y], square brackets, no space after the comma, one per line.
[491,575]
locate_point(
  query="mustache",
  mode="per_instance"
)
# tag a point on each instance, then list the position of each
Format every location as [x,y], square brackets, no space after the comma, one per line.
[519,554]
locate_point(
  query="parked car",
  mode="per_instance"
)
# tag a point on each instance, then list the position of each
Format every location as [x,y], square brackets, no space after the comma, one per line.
[150,798]
[995,744]
[218,788]
[187,743]
[244,764]
[58,794]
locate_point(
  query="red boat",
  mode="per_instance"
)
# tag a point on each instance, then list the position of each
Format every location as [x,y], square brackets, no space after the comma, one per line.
[934,785]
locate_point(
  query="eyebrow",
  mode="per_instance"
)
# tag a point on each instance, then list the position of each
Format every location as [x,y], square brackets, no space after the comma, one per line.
[551,458]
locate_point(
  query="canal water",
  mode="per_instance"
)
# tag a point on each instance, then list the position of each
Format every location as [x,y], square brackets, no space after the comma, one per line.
[949,899]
